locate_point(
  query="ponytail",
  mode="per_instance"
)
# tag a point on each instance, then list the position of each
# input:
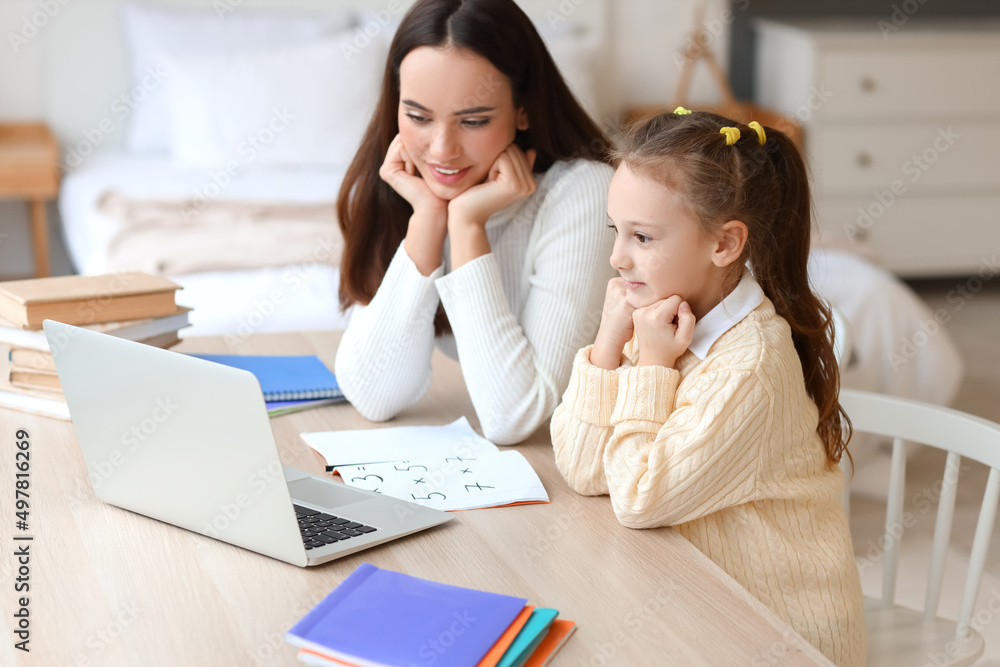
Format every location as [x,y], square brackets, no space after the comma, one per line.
[780,266]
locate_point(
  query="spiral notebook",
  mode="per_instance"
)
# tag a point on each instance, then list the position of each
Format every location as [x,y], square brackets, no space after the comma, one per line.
[284,378]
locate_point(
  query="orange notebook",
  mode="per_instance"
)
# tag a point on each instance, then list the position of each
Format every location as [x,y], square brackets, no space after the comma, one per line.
[506,639]
[558,634]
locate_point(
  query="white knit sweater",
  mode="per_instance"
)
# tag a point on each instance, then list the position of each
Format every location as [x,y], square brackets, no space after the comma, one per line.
[518,314]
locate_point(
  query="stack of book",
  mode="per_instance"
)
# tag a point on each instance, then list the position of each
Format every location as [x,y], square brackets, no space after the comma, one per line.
[381,618]
[136,306]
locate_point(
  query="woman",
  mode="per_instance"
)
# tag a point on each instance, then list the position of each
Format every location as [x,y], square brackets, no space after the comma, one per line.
[473,215]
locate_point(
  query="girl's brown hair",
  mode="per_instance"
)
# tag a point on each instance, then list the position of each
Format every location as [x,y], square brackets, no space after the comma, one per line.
[372,216]
[767,188]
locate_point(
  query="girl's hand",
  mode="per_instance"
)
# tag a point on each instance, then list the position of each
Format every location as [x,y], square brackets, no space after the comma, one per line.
[401,174]
[510,179]
[616,327]
[663,331]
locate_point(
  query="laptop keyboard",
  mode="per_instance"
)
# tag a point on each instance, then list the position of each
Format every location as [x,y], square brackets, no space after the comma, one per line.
[320,529]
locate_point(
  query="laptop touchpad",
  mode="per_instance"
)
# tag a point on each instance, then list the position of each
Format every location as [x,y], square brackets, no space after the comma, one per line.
[325,494]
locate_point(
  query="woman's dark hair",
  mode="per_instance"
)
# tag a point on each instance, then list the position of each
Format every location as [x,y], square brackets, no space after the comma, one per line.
[372,216]
[766,187]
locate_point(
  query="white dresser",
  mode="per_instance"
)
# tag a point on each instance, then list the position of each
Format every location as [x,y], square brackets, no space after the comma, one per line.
[902,134]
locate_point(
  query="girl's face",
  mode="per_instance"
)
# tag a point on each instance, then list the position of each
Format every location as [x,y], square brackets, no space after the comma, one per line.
[456,115]
[660,249]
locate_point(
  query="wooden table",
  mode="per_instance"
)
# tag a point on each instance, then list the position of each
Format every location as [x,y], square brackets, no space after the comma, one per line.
[29,169]
[109,587]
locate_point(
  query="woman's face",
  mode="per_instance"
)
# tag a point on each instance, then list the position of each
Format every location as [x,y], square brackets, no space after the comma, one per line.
[456,115]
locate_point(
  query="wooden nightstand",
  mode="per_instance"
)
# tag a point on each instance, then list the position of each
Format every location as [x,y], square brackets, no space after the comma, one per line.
[29,169]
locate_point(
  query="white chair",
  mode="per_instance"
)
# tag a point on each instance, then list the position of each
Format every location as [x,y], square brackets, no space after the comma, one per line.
[843,344]
[843,347]
[901,636]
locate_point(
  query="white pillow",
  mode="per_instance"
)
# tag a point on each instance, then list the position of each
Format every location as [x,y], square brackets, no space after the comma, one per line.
[152,30]
[299,106]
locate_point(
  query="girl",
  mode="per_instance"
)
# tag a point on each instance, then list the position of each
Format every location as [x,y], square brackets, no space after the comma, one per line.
[473,216]
[708,401]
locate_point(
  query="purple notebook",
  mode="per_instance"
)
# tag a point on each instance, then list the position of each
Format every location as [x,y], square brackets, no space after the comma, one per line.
[381,618]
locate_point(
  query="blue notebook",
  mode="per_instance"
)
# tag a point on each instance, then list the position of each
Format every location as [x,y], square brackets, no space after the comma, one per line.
[528,639]
[381,618]
[284,378]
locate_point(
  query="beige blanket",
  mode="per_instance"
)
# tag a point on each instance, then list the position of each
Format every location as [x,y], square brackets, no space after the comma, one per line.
[174,237]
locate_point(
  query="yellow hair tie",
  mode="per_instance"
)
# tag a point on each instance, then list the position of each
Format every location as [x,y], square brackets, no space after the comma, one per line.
[681,111]
[755,126]
[732,135]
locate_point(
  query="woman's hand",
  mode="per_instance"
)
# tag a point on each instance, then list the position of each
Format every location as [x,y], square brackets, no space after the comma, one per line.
[510,179]
[663,331]
[616,327]
[428,225]
[401,174]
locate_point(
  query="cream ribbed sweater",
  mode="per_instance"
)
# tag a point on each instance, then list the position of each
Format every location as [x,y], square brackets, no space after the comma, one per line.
[726,451]
[518,314]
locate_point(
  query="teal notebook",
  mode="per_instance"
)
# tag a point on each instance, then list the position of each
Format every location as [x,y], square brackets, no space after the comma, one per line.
[284,378]
[383,618]
[528,639]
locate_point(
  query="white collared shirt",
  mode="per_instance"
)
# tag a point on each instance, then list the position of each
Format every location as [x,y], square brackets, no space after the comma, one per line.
[737,305]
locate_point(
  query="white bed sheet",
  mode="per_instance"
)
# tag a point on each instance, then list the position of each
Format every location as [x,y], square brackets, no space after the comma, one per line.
[234,303]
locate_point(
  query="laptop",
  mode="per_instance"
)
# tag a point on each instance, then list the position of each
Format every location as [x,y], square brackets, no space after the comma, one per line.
[189,442]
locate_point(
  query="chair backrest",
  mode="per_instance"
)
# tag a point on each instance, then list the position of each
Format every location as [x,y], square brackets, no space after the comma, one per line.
[843,343]
[959,434]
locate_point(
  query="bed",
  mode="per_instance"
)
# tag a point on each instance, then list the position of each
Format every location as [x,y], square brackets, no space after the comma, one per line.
[233,302]
[177,143]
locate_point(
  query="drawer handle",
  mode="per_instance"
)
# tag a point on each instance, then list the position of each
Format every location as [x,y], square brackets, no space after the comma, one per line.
[864,159]
[868,84]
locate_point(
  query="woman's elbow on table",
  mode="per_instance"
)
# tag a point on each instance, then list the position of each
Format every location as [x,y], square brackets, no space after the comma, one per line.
[505,434]
[374,403]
